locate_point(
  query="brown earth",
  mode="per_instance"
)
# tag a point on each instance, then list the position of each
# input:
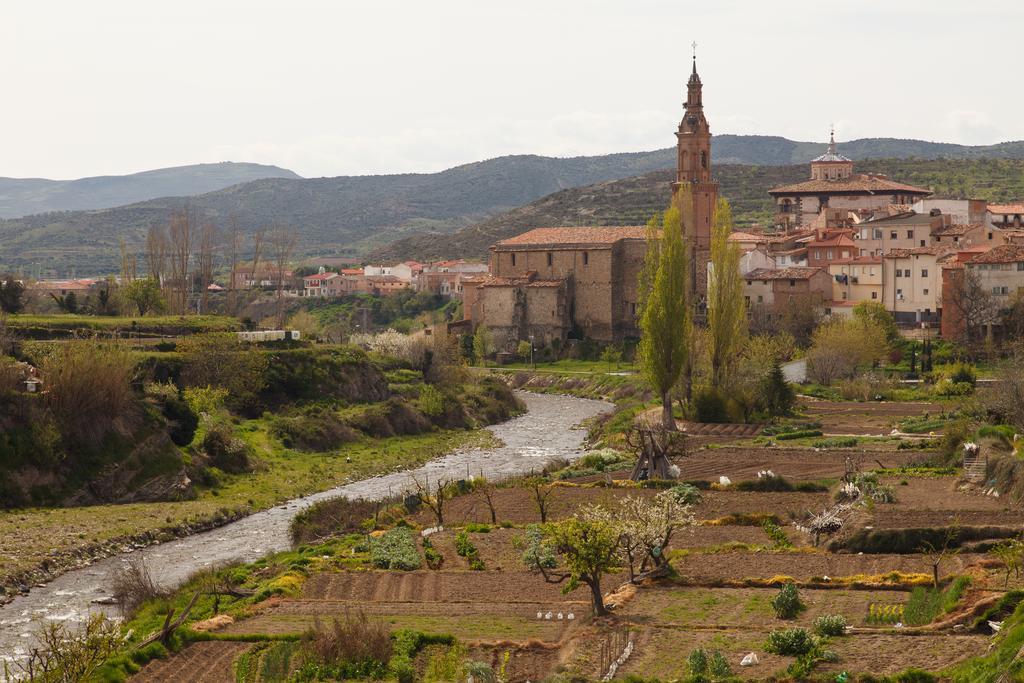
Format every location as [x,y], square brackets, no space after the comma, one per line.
[210,662]
[848,417]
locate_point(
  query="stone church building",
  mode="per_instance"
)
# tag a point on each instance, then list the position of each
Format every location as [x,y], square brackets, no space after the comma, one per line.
[560,282]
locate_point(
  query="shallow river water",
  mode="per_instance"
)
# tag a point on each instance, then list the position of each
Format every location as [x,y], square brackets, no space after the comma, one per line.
[546,431]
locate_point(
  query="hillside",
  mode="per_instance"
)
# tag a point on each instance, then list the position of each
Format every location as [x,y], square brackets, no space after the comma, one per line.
[24,196]
[632,201]
[352,215]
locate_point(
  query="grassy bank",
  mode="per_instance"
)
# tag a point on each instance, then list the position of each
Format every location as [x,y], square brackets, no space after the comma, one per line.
[154,324]
[60,538]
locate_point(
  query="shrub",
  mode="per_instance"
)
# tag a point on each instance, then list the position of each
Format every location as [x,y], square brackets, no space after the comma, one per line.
[89,390]
[333,517]
[962,373]
[434,558]
[315,428]
[465,548]
[395,549]
[687,494]
[776,534]
[951,388]
[133,586]
[799,434]
[710,406]
[787,603]
[353,647]
[789,642]
[226,451]
[830,625]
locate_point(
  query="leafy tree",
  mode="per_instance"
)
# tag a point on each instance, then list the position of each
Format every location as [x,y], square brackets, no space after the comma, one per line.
[67,303]
[777,396]
[842,347]
[144,295]
[483,344]
[12,296]
[612,356]
[727,319]
[588,549]
[874,312]
[306,323]
[220,360]
[664,320]
[523,350]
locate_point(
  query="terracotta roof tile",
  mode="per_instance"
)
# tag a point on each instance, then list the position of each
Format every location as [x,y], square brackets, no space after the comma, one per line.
[859,182]
[1004,253]
[1006,208]
[955,230]
[793,273]
[582,235]
[937,250]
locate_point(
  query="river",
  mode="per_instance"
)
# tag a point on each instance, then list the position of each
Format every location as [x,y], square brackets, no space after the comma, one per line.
[545,432]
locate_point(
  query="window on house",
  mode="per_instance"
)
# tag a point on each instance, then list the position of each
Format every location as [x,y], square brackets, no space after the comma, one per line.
[925,292]
[990,235]
[513,259]
[924,272]
[878,233]
[892,234]
[586,258]
[792,283]
[747,300]
[922,243]
[874,295]
[1020,265]
[899,293]
[828,254]
[910,234]
[551,259]
[760,299]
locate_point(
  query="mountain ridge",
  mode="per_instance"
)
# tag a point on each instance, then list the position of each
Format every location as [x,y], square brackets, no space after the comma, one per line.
[27,196]
[354,215]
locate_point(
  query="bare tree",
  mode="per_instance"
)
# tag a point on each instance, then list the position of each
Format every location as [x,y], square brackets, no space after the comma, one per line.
[257,251]
[207,244]
[542,491]
[972,303]
[489,490]
[63,653]
[157,248]
[434,497]
[282,245]
[947,546]
[181,235]
[128,267]
[235,240]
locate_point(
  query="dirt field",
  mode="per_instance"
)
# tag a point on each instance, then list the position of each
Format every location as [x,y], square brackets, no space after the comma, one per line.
[797,464]
[212,662]
[843,417]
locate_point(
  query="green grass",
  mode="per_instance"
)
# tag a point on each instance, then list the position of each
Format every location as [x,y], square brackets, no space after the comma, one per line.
[166,324]
[1002,659]
[926,604]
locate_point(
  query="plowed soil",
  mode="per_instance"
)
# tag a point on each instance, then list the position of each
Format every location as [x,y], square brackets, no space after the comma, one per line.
[846,417]
[796,464]
[210,662]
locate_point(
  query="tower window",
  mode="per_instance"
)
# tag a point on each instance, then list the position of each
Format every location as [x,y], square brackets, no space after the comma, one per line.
[513,259]
[703,159]
[551,259]
[586,258]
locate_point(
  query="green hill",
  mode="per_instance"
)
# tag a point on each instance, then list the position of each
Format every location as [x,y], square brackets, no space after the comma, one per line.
[632,201]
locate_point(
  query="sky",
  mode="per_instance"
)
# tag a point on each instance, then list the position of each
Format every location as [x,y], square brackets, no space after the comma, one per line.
[343,87]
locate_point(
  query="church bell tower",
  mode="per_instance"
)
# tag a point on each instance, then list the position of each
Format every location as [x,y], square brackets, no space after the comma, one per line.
[693,169]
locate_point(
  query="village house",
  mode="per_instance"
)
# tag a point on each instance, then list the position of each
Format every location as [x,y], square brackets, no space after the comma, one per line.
[833,184]
[856,279]
[914,283]
[447,277]
[1005,216]
[81,287]
[837,246]
[772,288]
[264,276]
